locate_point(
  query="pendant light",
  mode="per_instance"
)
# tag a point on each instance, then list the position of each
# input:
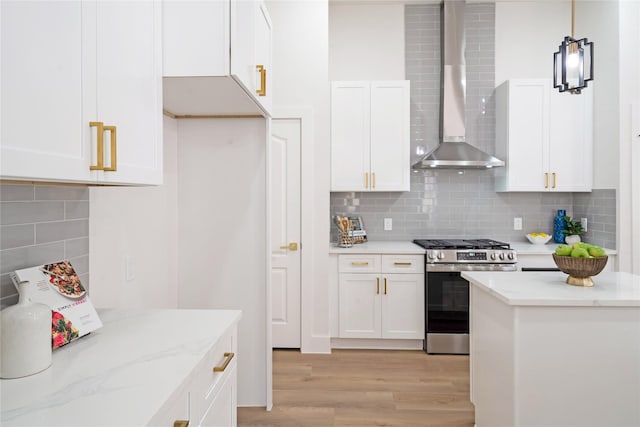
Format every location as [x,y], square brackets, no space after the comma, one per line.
[573,62]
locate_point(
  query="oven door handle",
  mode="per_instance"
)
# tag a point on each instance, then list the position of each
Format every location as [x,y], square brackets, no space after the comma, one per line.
[469,267]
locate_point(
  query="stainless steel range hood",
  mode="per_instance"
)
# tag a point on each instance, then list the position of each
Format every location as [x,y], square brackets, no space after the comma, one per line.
[453,152]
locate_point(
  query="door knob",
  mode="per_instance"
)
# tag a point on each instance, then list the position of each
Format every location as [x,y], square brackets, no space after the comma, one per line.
[293,246]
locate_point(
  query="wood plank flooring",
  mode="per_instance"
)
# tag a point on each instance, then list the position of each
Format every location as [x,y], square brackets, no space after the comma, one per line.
[366,388]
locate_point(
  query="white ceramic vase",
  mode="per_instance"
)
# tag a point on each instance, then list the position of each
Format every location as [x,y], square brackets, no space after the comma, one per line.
[25,337]
[571,239]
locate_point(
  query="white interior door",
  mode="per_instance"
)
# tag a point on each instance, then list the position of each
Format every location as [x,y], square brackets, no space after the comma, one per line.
[285,232]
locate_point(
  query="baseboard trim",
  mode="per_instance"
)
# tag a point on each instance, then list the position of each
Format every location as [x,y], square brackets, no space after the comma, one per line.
[376,344]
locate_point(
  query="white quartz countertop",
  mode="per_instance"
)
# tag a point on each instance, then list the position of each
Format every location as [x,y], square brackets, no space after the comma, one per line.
[549,289]
[548,249]
[119,375]
[379,247]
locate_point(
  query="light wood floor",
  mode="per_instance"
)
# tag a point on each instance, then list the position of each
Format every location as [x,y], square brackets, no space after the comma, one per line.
[366,388]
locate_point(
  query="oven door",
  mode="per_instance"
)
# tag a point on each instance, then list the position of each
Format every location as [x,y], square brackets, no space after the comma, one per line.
[447,303]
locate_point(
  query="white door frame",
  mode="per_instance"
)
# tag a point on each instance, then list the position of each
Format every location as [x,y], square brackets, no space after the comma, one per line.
[305,115]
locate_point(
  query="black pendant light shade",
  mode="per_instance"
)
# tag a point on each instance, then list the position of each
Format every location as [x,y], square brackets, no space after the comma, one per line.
[573,65]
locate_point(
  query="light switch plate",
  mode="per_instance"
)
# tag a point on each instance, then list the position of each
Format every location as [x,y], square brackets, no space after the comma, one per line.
[517,223]
[583,221]
[388,224]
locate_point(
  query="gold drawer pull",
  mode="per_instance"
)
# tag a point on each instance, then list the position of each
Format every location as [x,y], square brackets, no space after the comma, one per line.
[385,285]
[360,263]
[402,263]
[546,180]
[366,180]
[181,423]
[373,179]
[377,286]
[263,80]
[554,180]
[114,162]
[227,360]
[100,145]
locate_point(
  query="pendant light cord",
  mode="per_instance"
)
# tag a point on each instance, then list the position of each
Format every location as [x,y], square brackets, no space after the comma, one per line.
[573,9]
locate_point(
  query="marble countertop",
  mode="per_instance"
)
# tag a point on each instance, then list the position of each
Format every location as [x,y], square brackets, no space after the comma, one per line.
[119,375]
[379,247]
[524,248]
[549,289]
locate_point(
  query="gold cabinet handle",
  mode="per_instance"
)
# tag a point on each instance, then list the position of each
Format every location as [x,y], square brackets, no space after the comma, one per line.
[263,80]
[227,360]
[100,143]
[360,263]
[114,161]
[366,180]
[385,285]
[293,246]
[377,286]
[373,179]
[554,180]
[181,423]
[546,180]
[402,263]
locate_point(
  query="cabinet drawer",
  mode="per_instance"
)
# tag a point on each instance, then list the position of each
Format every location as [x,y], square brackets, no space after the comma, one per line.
[359,264]
[403,263]
[207,382]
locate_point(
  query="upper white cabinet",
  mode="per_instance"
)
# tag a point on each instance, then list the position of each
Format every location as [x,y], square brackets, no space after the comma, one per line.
[544,136]
[370,136]
[81,91]
[217,58]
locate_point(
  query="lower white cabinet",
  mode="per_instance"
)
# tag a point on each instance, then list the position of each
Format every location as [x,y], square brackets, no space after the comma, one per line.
[208,396]
[381,296]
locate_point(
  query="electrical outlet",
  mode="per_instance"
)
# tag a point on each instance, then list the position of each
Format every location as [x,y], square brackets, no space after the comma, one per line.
[517,223]
[583,221]
[388,224]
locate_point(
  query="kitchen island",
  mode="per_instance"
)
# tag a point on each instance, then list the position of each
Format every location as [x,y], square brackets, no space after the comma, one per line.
[143,367]
[544,353]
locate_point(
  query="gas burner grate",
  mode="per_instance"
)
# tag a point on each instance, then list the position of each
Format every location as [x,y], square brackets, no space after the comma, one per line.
[461,244]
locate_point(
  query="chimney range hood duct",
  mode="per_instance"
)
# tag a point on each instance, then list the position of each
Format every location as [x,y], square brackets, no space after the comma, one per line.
[453,152]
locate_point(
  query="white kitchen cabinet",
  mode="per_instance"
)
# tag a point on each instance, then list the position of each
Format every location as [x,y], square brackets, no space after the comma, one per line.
[370,136]
[217,58]
[381,296]
[545,137]
[68,64]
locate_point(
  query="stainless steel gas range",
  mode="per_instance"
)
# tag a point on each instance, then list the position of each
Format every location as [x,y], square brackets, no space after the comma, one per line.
[447,293]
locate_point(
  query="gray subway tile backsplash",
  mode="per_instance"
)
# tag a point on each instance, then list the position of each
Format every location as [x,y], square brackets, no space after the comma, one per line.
[41,224]
[445,203]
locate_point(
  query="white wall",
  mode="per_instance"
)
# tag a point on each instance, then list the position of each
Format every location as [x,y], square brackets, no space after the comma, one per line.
[527,34]
[139,224]
[301,82]
[366,41]
[222,234]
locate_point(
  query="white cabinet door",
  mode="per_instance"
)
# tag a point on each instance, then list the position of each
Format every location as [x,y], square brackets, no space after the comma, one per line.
[571,141]
[360,315]
[350,136]
[522,133]
[390,145]
[403,306]
[223,411]
[370,136]
[129,89]
[243,34]
[545,137]
[263,70]
[42,135]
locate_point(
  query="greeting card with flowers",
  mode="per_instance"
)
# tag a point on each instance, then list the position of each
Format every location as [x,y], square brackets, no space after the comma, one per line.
[58,286]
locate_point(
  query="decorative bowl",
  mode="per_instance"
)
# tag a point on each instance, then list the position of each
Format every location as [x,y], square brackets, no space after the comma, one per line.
[580,270]
[539,240]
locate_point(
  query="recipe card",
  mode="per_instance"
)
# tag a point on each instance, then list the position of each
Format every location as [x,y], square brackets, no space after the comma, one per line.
[58,286]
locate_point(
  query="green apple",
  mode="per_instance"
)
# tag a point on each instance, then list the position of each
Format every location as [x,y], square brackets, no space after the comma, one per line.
[563,250]
[579,253]
[596,251]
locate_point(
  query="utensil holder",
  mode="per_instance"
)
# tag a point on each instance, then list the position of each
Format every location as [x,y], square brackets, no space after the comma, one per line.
[345,240]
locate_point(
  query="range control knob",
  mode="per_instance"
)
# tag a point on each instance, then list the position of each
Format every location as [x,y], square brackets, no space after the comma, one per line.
[493,256]
[441,255]
[511,256]
[501,256]
[433,254]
